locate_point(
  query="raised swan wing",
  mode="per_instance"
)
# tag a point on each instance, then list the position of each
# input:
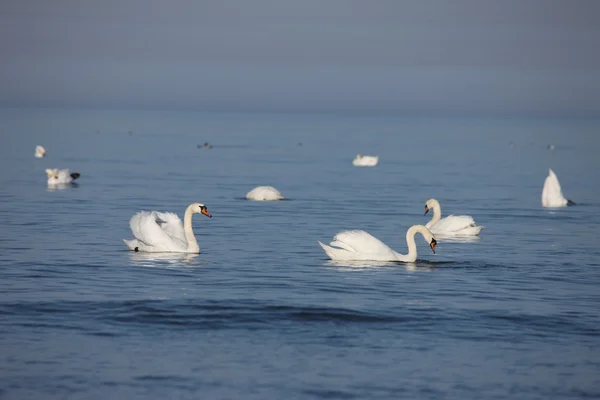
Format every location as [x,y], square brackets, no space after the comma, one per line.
[157,229]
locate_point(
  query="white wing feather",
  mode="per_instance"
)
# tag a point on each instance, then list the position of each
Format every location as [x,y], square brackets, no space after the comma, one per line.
[171,224]
[361,242]
[452,223]
[147,228]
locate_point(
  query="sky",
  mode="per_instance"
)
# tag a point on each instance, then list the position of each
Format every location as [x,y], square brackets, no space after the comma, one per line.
[468,57]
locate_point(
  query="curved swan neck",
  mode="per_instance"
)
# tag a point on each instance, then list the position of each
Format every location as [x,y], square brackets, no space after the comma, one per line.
[410,241]
[189,232]
[437,212]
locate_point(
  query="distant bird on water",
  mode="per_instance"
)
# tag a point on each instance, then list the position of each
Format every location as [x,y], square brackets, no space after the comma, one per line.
[40,151]
[61,176]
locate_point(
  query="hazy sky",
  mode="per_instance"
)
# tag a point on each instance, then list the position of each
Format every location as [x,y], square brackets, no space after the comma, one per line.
[421,56]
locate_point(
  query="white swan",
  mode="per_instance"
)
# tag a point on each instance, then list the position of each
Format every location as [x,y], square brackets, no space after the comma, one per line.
[156,231]
[365,161]
[452,225]
[40,151]
[264,193]
[552,193]
[61,176]
[360,245]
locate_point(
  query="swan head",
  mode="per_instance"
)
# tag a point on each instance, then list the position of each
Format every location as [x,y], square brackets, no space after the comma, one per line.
[52,173]
[432,244]
[423,230]
[429,204]
[199,208]
[429,238]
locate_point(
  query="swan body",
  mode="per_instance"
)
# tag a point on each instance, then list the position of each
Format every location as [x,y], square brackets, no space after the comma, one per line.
[40,151]
[361,246]
[552,195]
[264,193]
[156,231]
[452,225]
[60,176]
[365,161]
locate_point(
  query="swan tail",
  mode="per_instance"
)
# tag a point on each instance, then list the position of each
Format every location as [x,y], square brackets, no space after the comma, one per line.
[472,230]
[131,244]
[337,254]
[330,251]
[570,202]
[476,229]
[75,175]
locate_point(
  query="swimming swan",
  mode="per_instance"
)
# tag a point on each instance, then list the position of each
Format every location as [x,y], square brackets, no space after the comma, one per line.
[360,245]
[552,193]
[264,193]
[156,231]
[452,225]
[61,176]
[365,161]
[40,151]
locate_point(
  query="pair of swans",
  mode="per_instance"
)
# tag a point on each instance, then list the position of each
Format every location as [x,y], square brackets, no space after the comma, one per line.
[156,231]
[552,195]
[357,245]
[61,176]
[365,161]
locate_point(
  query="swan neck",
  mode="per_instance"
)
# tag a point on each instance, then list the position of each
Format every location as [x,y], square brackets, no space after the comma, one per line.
[410,242]
[437,213]
[189,232]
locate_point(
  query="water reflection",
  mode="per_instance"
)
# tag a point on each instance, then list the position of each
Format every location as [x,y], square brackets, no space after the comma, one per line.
[142,259]
[53,187]
[357,265]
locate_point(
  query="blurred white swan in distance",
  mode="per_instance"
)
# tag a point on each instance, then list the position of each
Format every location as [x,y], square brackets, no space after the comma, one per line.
[40,151]
[157,232]
[452,225]
[61,176]
[360,245]
[264,193]
[552,195]
[365,161]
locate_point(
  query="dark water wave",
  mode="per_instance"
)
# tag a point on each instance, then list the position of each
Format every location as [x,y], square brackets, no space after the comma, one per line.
[104,317]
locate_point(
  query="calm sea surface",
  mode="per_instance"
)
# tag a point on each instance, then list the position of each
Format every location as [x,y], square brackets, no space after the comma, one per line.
[261,313]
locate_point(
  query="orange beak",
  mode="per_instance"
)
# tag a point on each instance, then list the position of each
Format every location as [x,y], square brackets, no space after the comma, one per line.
[432,245]
[205,212]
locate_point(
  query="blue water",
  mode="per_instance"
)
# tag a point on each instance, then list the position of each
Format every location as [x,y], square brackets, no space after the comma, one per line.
[261,313]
